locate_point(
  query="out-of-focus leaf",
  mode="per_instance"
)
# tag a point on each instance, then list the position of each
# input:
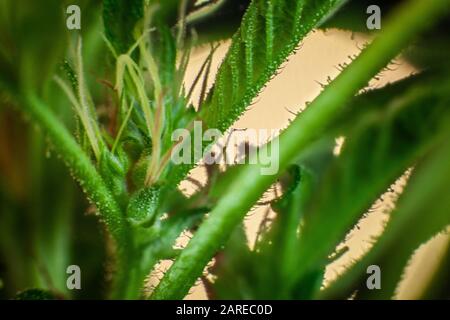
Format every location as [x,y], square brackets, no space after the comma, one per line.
[236,264]
[217,22]
[265,272]
[438,288]
[353,15]
[35,294]
[429,51]
[384,137]
[167,56]
[423,211]
[379,147]
[120,18]
[8,78]
[29,53]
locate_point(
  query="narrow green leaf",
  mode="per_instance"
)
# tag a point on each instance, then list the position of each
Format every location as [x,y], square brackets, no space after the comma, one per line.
[256,54]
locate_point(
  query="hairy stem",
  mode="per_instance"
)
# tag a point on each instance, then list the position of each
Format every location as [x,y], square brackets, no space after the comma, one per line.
[413,17]
[90,181]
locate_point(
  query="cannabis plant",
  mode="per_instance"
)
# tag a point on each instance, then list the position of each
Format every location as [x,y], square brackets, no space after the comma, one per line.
[100,87]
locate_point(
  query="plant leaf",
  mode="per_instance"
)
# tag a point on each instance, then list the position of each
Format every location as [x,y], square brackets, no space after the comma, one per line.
[35,294]
[120,18]
[269,33]
[21,42]
[409,227]
[379,147]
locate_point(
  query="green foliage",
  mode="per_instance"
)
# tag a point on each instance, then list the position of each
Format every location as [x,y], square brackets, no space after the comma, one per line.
[120,18]
[116,141]
[382,145]
[425,193]
[35,294]
[351,17]
[22,41]
[269,33]
[313,122]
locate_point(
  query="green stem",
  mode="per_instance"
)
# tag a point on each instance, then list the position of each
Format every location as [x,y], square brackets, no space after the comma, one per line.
[410,19]
[90,181]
